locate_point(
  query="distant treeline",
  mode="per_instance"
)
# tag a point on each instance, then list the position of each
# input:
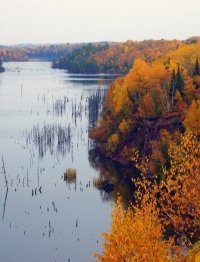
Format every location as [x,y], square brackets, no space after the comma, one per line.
[115,58]
[42,52]
[82,60]
[100,57]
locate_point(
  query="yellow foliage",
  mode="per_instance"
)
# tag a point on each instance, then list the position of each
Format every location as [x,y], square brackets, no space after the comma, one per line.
[180,199]
[119,96]
[137,235]
[143,76]
[124,126]
[178,97]
[146,107]
[192,119]
[113,142]
[186,55]
[114,139]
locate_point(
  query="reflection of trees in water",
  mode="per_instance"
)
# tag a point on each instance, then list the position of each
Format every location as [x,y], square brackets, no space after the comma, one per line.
[91,80]
[69,107]
[3,171]
[95,106]
[89,107]
[116,174]
[60,105]
[56,138]
[53,138]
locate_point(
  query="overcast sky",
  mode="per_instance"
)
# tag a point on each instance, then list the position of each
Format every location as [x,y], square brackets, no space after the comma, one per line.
[59,21]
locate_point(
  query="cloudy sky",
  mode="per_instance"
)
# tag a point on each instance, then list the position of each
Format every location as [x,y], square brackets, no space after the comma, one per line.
[59,21]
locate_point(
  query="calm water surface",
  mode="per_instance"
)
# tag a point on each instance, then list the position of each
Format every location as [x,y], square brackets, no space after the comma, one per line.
[44,120]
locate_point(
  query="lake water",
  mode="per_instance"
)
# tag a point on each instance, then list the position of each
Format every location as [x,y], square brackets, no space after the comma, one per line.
[44,119]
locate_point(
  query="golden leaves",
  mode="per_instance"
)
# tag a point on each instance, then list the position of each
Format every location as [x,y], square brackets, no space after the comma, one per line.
[192,119]
[138,233]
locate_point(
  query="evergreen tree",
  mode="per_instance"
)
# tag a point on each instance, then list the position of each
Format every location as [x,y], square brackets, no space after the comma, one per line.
[196,71]
[196,75]
[173,83]
[179,82]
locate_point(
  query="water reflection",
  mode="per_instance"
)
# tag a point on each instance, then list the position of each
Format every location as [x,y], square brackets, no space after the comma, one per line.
[95,106]
[56,138]
[3,171]
[86,80]
[53,138]
[115,174]
[44,131]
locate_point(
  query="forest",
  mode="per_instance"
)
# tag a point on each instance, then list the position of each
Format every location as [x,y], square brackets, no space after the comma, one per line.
[81,60]
[151,123]
[115,58]
[151,120]
[48,52]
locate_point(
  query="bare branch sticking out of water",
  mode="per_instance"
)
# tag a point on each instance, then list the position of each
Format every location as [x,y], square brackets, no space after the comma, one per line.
[4,172]
[6,181]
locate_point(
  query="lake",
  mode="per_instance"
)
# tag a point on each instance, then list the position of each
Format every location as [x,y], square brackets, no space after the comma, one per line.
[45,115]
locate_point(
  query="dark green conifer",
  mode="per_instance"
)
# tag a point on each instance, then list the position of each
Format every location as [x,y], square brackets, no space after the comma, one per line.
[179,82]
[196,71]
[173,83]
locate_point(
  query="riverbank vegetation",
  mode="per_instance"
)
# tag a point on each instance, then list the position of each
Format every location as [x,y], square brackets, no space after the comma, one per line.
[26,52]
[151,119]
[153,103]
[81,60]
[116,58]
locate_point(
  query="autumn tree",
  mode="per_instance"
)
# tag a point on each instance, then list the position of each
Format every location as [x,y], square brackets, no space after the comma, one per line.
[185,56]
[192,119]
[177,192]
[141,232]
[137,235]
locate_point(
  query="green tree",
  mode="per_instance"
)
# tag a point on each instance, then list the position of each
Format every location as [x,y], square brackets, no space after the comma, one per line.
[172,85]
[196,71]
[179,85]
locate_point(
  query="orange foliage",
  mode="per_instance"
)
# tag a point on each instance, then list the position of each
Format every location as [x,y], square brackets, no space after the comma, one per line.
[197,81]
[192,119]
[138,233]
[182,182]
[120,57]
[179,187]
[143,99]
[124,126]
[113,142]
